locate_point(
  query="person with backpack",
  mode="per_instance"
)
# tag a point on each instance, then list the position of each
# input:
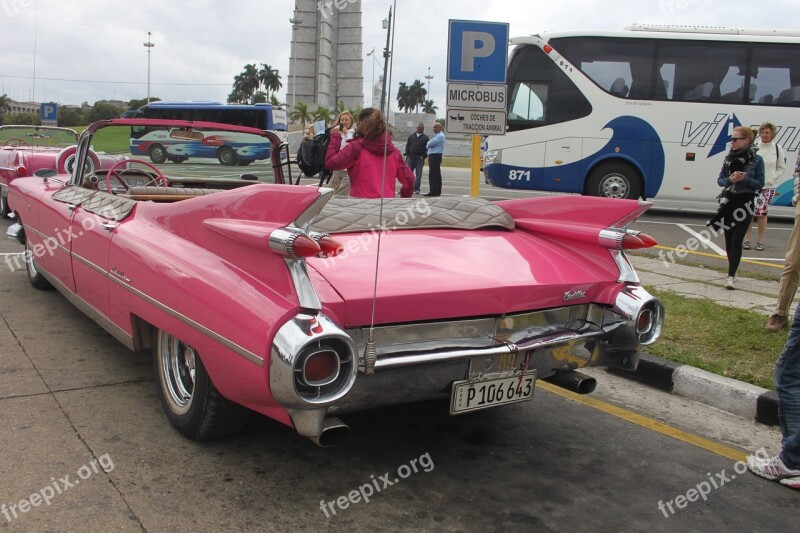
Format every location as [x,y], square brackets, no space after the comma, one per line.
[363,157]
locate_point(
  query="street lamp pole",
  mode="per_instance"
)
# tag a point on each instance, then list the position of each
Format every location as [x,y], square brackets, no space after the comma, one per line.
[149,45]
[429,78]
[387,23]
[295,22]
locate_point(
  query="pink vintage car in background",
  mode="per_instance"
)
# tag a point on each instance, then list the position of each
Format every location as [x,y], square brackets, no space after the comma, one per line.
[287,301]
[25,150]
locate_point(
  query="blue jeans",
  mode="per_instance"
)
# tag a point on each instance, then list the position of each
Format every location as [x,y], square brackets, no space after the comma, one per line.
[416,164]
[787,385]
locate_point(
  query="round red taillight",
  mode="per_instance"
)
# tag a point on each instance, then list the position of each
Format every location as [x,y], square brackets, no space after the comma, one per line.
[21,171]
[330,246]
[304,246]
[321,368]
[640,240]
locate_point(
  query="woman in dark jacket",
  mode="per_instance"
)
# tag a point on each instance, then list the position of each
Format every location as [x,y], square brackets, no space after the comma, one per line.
[741,177]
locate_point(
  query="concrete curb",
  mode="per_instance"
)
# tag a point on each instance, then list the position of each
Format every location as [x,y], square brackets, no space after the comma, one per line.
[726,394]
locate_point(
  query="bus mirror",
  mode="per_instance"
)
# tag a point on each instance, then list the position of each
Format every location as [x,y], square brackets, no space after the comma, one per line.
[186,135]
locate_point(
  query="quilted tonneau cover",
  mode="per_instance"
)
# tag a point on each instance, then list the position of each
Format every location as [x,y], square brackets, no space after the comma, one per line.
[100,203]
[348,215]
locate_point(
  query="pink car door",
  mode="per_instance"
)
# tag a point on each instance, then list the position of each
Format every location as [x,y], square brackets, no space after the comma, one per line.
[51,236]
[90,247]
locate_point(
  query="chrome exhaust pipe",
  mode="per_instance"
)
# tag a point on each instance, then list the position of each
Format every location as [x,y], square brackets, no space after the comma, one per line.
[574,381]
[334,432]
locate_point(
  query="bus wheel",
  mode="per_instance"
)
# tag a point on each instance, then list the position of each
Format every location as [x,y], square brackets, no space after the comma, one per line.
[614,180]
[227,156]
[178,160]
[158,154]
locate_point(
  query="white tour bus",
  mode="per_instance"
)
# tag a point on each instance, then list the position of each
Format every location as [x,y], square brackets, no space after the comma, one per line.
[643,112]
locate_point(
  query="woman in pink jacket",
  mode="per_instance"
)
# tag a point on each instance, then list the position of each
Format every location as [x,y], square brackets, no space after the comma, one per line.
[363,157]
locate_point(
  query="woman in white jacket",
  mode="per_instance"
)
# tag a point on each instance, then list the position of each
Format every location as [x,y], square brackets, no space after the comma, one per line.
[774,167]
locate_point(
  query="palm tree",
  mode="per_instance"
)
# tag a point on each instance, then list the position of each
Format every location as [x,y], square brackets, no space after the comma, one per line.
[246,84]
[301,114]
[275,102]
[236,96]
[416,94]
[269,78]
[428,107]
[259,97]
[402,97]
[323,113]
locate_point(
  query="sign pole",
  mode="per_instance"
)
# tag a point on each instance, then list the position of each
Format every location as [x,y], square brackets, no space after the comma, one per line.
[475,182]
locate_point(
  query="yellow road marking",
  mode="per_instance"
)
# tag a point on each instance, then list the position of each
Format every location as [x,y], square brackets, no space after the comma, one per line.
[646,422]
[715,256]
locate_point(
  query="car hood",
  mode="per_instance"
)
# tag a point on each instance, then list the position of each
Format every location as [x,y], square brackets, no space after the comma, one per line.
[433,275]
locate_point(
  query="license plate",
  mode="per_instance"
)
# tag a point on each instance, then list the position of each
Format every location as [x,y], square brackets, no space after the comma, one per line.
[473,395]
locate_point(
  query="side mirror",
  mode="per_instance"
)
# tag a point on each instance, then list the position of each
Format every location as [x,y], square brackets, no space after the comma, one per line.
[45,173]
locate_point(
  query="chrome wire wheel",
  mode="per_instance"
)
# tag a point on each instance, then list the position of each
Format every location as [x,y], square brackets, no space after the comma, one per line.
[177,365]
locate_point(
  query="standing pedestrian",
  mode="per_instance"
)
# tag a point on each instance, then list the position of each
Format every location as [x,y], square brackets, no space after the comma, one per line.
[416,153]
[790,277]
[741,176]
[340,181]
[371,160]
[785,467]
[435,149]
[774,167]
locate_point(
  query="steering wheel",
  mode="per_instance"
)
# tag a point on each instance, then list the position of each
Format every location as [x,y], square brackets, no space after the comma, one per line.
[19,142]
[158,179]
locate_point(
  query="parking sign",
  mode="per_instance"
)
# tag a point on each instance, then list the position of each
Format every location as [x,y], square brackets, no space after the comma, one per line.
[49,114]
[477,51]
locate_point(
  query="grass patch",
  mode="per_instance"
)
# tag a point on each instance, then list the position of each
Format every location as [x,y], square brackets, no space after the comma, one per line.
[457,162]
[112,140]
[724,340]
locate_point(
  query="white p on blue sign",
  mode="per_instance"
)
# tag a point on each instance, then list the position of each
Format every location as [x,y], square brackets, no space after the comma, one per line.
[477,51]
[49,113]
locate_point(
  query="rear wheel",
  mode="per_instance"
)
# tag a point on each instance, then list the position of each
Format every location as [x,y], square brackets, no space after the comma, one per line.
[34,276]
[614,180]
[4,210]
[191,402]
[158,154]
[227,156]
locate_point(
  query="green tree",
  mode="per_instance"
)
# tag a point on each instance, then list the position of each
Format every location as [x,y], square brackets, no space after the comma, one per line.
[429,107]
[103,111]
[270,79]
[259,97]
[273,99]
[5,107]
[403,97]
[23,119]
[69,117]
[136,103]
[416,95]
[323,113]
[300,113]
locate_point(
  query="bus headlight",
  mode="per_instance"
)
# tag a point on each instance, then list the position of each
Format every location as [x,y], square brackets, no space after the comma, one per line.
[491,157]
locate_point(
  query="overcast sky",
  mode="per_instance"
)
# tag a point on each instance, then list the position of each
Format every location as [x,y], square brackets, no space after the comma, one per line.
[72,51]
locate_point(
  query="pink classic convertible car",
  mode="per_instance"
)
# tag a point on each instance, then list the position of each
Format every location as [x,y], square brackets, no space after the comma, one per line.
[25,150]
[285,300]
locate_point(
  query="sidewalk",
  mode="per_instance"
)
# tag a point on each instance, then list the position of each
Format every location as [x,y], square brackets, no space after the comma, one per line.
[743,399]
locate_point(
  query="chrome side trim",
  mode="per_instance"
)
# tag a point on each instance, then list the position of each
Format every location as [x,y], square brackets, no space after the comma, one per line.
[247,354]
[127,339]
[627,274]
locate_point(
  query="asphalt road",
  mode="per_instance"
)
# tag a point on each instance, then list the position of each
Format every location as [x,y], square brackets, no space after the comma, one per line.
[83,430]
